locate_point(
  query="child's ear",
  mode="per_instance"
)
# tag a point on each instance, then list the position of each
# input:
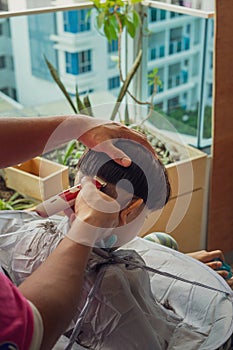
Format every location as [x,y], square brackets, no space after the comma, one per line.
[131,211]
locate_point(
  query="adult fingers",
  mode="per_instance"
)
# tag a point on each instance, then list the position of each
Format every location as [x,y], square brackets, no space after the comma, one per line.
[216,254]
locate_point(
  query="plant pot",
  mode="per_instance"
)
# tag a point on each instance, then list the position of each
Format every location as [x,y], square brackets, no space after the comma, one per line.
[183,217]
[38,178]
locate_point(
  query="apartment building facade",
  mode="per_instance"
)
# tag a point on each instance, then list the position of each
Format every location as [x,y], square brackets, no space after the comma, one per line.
[178,47]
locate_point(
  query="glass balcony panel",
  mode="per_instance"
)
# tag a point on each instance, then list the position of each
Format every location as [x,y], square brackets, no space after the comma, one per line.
[85,58]
[186,98]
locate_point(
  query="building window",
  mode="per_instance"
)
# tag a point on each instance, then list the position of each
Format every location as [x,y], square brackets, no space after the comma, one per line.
[157,15]
[113,83]
[84,61]
[174,14]
[71,63]
[211,60]
[86,92]
[76,21]
[186,43]
[153,15]
[159,106]
[2,62]
[162,15]
[153,54]
[184,76]
[113,46]
[78,62]
[1,29]
[156,52]
[9,91]
[5,90]
[173,103]
[188,28]
[210,92]
[162,51]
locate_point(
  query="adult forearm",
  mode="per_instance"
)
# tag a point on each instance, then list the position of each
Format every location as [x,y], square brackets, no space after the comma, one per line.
[54,288]
[25,138]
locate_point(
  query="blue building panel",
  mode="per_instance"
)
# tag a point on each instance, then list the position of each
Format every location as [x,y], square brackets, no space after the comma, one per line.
[78,62]
[114,82]
[76,21]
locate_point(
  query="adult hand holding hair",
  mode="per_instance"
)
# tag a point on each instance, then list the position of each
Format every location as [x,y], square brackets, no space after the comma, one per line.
[100,139]
[33,136]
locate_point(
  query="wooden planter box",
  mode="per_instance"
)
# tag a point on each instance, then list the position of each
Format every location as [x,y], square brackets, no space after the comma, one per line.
[184,216]
[38,178]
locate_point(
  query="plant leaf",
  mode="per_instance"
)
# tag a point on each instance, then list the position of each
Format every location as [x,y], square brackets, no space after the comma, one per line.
[57,79]
[87,104]
[96,3]
[135,1]
[110,30]
[78,154]
[80,105]
[127,121]
[69,149]
[4,205]
[100,19]
[131,29]
[13,197]
[136,18]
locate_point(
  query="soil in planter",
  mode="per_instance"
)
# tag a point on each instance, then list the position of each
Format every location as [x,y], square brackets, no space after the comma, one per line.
[5,192]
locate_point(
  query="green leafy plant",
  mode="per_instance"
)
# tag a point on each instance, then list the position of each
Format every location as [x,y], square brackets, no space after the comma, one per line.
[70,152]
[114,16]
[17,202]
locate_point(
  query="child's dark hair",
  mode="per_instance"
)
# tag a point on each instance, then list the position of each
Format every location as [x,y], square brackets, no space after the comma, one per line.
[146,174]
